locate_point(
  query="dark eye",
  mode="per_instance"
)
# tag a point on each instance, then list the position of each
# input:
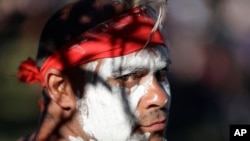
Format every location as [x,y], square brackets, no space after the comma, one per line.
[132,77]
[161,74]
[124,77]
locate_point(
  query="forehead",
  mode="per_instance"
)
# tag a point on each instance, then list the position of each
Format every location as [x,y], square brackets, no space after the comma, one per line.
[154,58]
[149,58]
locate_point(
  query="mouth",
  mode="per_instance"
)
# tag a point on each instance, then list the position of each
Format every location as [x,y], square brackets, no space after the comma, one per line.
[156,126]
[153,121]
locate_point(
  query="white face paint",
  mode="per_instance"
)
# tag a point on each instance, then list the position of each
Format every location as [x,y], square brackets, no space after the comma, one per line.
[71,138]
[108,111]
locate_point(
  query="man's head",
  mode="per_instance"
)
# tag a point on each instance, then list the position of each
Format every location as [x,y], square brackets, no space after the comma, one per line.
[108,82]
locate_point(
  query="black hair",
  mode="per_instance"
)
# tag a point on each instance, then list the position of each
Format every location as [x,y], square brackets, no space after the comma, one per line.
[70,21]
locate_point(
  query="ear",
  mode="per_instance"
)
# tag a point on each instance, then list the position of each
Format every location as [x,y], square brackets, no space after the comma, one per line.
[59,89]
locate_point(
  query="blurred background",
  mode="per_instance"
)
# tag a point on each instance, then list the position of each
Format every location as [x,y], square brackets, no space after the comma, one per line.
[210,72]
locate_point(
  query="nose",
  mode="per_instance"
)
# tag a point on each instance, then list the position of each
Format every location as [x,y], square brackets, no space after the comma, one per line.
[155,96]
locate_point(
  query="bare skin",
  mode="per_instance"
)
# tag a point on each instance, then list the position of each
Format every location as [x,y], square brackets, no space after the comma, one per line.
[60,118]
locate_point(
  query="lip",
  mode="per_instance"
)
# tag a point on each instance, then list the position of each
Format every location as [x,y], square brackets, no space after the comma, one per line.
[155,126]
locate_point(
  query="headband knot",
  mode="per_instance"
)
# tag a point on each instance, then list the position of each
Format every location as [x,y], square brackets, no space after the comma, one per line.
[28,72]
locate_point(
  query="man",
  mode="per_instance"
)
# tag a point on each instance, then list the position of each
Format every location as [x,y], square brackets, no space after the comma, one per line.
[104,82]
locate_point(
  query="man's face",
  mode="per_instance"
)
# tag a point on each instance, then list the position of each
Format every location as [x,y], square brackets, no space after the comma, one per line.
[127,97]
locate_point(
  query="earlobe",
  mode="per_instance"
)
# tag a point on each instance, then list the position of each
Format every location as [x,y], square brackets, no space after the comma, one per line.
[59,89]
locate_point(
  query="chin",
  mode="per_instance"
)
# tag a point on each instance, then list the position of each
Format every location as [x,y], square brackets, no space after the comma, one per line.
[157,136]
[156,133]
[153,136]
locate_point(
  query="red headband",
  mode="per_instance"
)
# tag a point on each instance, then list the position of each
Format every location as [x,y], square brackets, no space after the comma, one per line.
[120,36]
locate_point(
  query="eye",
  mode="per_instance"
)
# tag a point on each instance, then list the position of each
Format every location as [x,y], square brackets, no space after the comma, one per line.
[131,76]
[161,75]
[124,77]
[131,79]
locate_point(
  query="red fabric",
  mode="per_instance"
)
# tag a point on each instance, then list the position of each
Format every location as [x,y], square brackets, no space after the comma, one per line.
[120,36]
[28,72]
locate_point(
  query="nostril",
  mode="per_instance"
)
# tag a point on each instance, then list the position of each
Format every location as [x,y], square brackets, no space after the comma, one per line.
[152,106]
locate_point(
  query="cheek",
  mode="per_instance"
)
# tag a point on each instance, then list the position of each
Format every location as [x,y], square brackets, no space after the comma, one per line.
[137,92]
[101,109]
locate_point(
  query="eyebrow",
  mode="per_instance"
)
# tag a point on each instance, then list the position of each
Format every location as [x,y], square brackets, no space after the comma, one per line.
[127,70]
[124,70]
